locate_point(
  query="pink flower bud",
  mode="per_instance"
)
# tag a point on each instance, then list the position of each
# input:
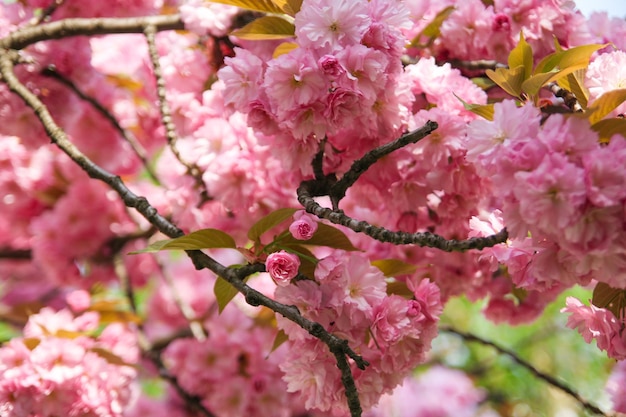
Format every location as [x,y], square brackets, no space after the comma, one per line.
[282,267]
[304,226]
[78,300]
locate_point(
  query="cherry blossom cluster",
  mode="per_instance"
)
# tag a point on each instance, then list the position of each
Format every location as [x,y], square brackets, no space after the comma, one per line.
[348,297]
[339,83]
[61,366]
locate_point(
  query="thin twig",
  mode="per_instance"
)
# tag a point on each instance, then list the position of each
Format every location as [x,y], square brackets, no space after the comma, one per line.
[537,373]
[46,13]
[194,325]
[234,276]
[166,116]
[141,153]
[16,254]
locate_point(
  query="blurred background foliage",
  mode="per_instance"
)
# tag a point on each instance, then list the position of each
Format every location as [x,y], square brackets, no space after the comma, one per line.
[547,344]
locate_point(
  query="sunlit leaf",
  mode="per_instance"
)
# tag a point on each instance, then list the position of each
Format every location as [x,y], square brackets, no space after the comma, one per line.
[110,357]
[200,239]
[510,80]
[325,235]
[224,292]
[31,342]
[605,104]
[433,29]
[266,6]
[579,55]
[266,27]
[291,7]
[271,220]
[394,267]
[522,55]
[284,48]
[112,316]
[399,288]
[483,110]
[607,128]
[533,84]
[613,299]
[281,337]
[574,83]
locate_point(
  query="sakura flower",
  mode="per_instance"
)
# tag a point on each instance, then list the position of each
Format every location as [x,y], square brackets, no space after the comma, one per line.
[596,323]
[606,73]
[303,226]
[329,25]
[282,267]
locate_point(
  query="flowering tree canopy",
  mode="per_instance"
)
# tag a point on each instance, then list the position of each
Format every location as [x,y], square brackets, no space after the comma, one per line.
[262,207]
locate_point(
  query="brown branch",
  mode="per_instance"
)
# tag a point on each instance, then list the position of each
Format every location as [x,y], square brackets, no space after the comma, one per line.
[234,276]
[166,116]
[569,99]
[336,190]
[51,72]
[23,37]
[15,254]
[537,373]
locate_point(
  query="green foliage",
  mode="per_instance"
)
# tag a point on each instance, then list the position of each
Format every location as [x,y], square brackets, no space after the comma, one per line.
[271,220]
[200,239]
[546,343]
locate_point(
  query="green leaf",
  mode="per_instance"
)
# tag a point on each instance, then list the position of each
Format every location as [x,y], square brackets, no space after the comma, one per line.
[266,6]
[110,357]
[433,29]
[284,48]
[574,83]
[522,55]
[281,337]
[483,110]
[579,55]
[394,267]
[325,235]
[510,80]
[266,27]
[200,239]
[613,299]
[271,220]
[399,288]
[607,128]
[224,292]
[605,104]
[533,84]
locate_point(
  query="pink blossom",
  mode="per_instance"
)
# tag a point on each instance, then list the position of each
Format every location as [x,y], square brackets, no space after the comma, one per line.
[303,226]
[242,76]
[282,267]
[201,17]
[437,392]
[596,323]
[606,73]
[329,25]
[78,300]
[616,386]
[552,195]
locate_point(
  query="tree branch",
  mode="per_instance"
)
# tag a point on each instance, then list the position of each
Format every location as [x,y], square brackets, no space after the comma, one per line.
[336,190]
[51,72]
[537,373]
[25,36]
[166,115]
[234,276]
